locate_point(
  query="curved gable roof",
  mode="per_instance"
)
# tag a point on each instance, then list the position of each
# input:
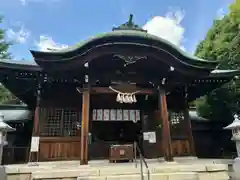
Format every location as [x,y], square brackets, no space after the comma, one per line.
[128,34]
[124,36]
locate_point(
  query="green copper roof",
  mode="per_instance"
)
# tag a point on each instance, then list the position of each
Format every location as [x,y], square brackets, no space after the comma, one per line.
[225,73]
[187,58]
[131,30]
[119,33]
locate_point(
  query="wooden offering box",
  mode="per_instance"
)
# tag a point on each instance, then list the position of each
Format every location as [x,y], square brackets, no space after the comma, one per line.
[121,152]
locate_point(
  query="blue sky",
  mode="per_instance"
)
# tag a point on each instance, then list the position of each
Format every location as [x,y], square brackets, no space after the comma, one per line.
[41,24]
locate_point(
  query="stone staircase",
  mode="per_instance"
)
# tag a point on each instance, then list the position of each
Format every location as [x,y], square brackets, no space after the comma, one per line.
[158,171]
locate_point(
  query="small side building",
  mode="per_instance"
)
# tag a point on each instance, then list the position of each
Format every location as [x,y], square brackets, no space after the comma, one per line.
[19,117]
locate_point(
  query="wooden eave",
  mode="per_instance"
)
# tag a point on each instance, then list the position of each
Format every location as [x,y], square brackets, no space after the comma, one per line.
[16,65]
[216,79]
[20,79]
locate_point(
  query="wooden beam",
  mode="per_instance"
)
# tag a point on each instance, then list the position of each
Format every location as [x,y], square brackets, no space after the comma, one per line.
[85,127]
[106,90]
[34,154]
[166,136]
[188,125]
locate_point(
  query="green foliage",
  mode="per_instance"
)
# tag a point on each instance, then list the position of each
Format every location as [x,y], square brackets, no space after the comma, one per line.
[222,43]
[3,44]
[5,95]
[203,108]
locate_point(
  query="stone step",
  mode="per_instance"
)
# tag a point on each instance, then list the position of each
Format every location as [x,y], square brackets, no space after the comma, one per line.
[88,172]
[124,171]
[161,176]
[158,176]
[124,174]
[114,171]
[154,176]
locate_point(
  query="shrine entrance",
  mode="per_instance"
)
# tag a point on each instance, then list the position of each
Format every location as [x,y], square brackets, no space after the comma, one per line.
[113,123]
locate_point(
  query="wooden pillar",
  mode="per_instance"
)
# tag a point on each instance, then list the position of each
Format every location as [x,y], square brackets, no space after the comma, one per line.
[34,155]
[188,125]
[85,127]
[166,136]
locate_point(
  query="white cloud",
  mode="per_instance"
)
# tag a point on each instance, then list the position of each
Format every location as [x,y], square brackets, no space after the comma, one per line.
[19,36]
[46,43]
[220,13]
[168,27]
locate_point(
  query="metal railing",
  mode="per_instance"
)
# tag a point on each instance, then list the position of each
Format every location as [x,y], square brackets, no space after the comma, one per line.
[142,161]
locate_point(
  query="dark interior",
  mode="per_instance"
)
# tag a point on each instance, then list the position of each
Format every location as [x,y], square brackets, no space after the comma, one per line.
[116,131]
[107,133]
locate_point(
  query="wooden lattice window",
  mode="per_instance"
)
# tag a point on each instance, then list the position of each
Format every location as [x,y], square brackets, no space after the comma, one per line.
[60,122]
[176,118]
[70,119]
[177,124]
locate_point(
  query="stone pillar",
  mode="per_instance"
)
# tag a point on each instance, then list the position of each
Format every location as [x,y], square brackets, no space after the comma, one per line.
[166,136]
[34,155]
[4,128]
[85,127]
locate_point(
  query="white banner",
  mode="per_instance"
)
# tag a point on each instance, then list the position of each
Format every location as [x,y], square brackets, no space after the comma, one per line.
[35,144]
[152,137]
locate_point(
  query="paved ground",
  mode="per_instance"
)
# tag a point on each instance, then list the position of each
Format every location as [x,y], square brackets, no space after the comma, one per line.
[104,163]
[231,173]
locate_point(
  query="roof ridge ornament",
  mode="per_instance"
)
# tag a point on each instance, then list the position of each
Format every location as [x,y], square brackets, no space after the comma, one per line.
[129,25]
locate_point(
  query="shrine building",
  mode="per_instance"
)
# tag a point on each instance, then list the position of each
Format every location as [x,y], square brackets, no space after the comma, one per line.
[112,90]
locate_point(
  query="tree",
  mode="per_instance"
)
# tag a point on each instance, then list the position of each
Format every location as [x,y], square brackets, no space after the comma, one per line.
[222,43]
[4,46]
[5,95]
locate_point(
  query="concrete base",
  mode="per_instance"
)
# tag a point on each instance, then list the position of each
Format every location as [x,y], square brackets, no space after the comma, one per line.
[3,175]
[101,170]
[236,167]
